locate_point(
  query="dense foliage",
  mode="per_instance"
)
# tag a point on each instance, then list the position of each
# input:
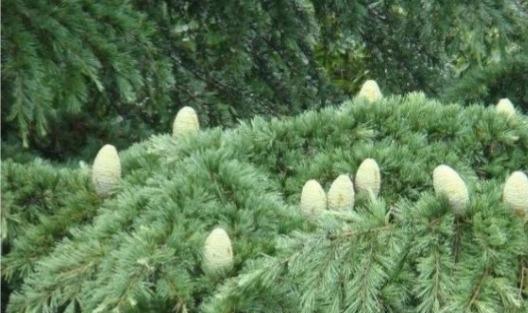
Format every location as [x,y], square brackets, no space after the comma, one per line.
[39,203]
[132,65]
[402,257]
[61,60]
[406,252]
[493,82]
[77,74]
[381,204]
[413,45]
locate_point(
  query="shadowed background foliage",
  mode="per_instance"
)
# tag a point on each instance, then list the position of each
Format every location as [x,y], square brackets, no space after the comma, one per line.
[78,74]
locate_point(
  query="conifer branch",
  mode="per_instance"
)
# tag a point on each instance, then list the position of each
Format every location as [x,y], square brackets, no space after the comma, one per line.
[476,290]
[357,233]
[457,237]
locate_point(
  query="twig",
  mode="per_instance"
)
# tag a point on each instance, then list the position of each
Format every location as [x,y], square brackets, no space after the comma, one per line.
[522,282]
[361,232]
[476,291]
[456,240]
[524,270]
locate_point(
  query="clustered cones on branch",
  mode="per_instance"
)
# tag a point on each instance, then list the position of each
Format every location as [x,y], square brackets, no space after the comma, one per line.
[185,123]
[341,195]
[106,170]
[449,184]
[446,182]
[217,252]
[431,253]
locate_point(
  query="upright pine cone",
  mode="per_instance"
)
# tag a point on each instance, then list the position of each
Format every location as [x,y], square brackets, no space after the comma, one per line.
[185,123]
[368,177]
[313,198]
[106,170]
[217,252]
[370,91]
[515,192]
[448,183]
[504,106]
[341,194]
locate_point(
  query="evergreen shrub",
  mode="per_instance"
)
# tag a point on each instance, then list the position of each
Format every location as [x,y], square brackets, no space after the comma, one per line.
[403,251]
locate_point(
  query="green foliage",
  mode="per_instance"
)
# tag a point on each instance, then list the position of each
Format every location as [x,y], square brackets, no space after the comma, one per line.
[169,217]
[78,74]
[132,65]
[506,79]
[61,60]
[232,60]
[142,250]
[406,257]
[39,203]
[408,45]
[33,193]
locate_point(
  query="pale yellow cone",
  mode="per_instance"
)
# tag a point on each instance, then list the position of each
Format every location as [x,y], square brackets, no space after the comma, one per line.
[185,123]
[448,183]
[370,91]
[217,252]
[368,177]
[515,192]
[505,106]
[106,170]
[313,198]
[341,194]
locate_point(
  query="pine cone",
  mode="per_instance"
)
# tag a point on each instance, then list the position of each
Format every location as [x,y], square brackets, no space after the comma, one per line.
[370,91]
[313,198]
[504,106]
[106,170]
[515,192]
[185,123]
[448,183]
[217,252]
[368,177]
[341,194]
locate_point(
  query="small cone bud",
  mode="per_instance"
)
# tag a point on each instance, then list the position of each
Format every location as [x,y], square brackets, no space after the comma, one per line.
[515,192]
[313,198]
[185,123]
[341,194]
[504,106]
[368,177]
[217,252]
[448,183]
[106,170]
[370,91]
